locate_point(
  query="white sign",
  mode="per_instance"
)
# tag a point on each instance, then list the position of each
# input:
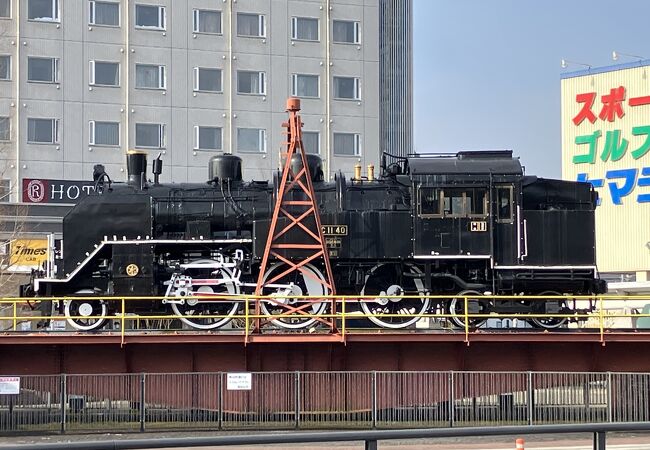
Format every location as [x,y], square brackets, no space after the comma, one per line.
[239,381]
[9,385]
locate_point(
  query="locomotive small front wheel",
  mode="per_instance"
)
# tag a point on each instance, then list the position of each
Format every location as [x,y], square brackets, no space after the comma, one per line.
[476,305]
[86,314]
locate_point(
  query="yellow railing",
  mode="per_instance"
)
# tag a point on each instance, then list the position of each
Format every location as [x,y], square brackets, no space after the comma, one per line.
[592,312]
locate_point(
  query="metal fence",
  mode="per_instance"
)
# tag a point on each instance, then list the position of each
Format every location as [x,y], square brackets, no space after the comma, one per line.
[313,400]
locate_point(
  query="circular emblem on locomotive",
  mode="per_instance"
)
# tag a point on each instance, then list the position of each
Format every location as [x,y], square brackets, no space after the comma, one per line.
[132,270]
[35,191]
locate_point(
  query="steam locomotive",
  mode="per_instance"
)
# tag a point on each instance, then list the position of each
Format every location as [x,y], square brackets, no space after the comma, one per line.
[451,225]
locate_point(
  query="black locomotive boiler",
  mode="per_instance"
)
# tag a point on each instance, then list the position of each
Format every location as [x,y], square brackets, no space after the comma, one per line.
[453,225]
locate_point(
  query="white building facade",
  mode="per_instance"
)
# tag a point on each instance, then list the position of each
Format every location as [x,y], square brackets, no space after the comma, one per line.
[82,82]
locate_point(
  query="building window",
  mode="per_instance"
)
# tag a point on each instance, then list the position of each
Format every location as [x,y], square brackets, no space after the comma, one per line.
[5,9]
[104,133]
[249,82]
[305,85]
[311,141]
[207,80]
[251,25]
[43,70]
[5,129]
[43,10]
[345,32]
[150,17]
[104,73]
[206,21]
[346,88]
[42,131]
[5,67]
[150,135]
[104,13]
[251,140]
[304,29]
[5,192]
[150,77]
[207,138]
[347,144]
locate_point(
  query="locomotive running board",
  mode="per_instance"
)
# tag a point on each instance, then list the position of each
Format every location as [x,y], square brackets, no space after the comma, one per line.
[106,242]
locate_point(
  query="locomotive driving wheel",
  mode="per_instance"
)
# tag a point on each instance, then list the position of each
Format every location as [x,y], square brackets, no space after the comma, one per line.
[538,307]
[475,305]
[393,305]
[86,314]
[298,312]
[206,305]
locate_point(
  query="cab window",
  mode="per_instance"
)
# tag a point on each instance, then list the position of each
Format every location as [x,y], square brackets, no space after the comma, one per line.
[430,202]
[504,203]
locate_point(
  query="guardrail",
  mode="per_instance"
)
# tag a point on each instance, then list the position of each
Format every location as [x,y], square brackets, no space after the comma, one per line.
[370,439]
[320,400]
[342,314]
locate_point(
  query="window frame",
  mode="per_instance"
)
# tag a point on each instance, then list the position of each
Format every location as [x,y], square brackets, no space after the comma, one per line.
[466,210]
[196,82]
[440,213]
[9,67]
[162,139]
[294,84]
[9,128]
[162,77]
[357,145]
[357,32]
[261,143]
[92,73]
[55,70]
[56,13]
[162,17]
[55,131]
[509,188]
[196,22]
[197,140]
[5,196]
[357,89]
[92,8]
[317,133]
[92,125]
[261,79]
[261,25]
[294,29]
[10,16]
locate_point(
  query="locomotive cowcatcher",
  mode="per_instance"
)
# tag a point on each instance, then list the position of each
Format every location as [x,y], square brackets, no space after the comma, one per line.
[459,225]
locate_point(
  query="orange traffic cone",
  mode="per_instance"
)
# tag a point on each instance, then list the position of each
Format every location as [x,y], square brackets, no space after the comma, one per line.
[519,444]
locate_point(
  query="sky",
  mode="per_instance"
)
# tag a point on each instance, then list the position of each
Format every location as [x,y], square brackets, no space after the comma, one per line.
[487,72]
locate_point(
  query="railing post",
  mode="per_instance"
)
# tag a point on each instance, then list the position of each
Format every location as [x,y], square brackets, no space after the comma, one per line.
[600,440]
[452,408]
[373,377]
[63,389]
[466,321]
[15,316]
[371,445]
[220,394]
[143,398]
[610,407]
[531,398]
[297,396]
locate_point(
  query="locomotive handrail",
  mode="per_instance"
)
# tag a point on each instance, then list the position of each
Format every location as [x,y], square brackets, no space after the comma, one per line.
[598,316]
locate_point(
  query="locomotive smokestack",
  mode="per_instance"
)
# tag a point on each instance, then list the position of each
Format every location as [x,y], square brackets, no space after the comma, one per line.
[136,168]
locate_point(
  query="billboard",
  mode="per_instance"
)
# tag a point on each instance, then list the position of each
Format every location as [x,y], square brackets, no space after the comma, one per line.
[27,254]
[38,190]
[606,142]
